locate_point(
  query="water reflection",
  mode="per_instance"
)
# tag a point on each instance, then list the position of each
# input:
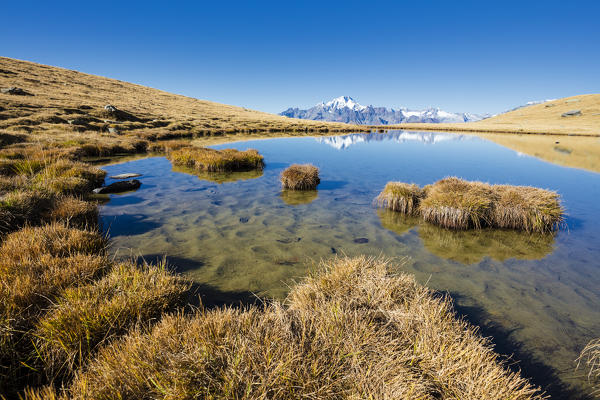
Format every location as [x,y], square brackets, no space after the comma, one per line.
[297,197]
[471,246]
[343,142]
[220,177]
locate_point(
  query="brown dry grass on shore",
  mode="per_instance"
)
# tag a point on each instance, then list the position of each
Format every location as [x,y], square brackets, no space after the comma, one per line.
[545,118]
[354,330]
[300,177]
[67,110]
[590,356]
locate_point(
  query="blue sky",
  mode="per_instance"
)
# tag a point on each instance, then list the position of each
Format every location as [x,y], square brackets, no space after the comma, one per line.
[477,56]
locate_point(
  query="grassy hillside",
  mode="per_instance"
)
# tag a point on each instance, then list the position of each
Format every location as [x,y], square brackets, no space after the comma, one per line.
[545,118]
[65,103]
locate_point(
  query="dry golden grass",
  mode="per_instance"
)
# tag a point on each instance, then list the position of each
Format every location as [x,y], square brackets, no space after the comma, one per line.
[401,197]
[542,118]
[300,177]
[211,160]
[590,356]
[86,317]
[36,264]
[353,331]
[67,110]
[526,208]
[74,211]
[457,204]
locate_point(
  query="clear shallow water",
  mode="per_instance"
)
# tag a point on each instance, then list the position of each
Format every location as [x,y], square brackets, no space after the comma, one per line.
[239,234]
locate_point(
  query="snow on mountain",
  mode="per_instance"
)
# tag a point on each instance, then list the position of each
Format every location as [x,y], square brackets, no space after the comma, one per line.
[343,142]
[346,109]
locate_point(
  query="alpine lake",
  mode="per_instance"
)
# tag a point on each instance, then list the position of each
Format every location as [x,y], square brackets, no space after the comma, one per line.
[240,237]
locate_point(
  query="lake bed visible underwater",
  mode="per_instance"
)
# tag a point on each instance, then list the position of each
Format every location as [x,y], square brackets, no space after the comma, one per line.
[239,234]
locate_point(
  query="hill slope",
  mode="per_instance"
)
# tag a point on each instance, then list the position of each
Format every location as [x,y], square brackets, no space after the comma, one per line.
[62,101]
[544,118]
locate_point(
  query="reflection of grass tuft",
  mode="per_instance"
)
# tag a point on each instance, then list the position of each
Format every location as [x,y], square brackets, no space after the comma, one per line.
[397,222]
[298,197]
[471,246]
[221,177]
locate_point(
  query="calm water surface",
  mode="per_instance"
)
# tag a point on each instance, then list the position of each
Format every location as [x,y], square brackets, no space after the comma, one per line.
[239,234]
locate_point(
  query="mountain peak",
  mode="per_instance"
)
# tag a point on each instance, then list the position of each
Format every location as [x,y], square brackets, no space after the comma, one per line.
[343,102]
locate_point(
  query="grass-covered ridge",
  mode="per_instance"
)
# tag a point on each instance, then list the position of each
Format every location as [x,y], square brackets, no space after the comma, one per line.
[355,329]
[459,204]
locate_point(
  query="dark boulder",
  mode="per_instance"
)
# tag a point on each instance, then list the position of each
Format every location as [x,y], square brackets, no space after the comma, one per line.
[15,91]
[118,187]
[572,113]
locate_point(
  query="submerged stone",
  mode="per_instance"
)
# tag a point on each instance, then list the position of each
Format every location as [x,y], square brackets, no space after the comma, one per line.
[118,187]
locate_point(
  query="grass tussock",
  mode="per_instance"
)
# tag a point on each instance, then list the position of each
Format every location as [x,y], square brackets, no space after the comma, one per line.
[85,317]
[458,204]
[527,208]
[590,356]
[400,197]
[36,265]
[352,331]
[211,160]
[300,177]
[74,211]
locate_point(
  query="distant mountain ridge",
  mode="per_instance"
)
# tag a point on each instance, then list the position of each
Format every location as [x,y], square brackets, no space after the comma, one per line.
[346,109]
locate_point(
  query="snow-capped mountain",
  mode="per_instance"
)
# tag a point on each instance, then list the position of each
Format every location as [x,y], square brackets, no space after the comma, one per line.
[346,109]
[343,142]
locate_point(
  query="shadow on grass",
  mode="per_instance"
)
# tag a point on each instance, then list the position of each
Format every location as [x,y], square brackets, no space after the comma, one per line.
[510,350]
[203,294]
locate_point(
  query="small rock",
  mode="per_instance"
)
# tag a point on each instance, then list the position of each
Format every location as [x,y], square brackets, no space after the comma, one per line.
[15,91]
[571,113]
[113,130]
[333,250]
[118,187]
[361,240]
[110,108]
[244,220]
[550,105]
[128,175]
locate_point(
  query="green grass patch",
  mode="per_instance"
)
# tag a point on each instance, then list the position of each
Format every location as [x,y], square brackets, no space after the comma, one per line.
[210,160]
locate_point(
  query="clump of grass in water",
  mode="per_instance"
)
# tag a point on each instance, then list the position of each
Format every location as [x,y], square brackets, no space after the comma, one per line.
[527,208]
[211,160]
[458,204]
[401,197]
[351,331]
[300,177]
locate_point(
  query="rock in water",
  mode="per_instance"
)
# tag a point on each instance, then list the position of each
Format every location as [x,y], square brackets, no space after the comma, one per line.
[361,240]
[118,187]
[571,113]
[127,175]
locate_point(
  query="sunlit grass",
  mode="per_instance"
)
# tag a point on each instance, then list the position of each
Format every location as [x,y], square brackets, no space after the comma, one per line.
[300,177]
[211,160]
[351,331]
[401,197]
